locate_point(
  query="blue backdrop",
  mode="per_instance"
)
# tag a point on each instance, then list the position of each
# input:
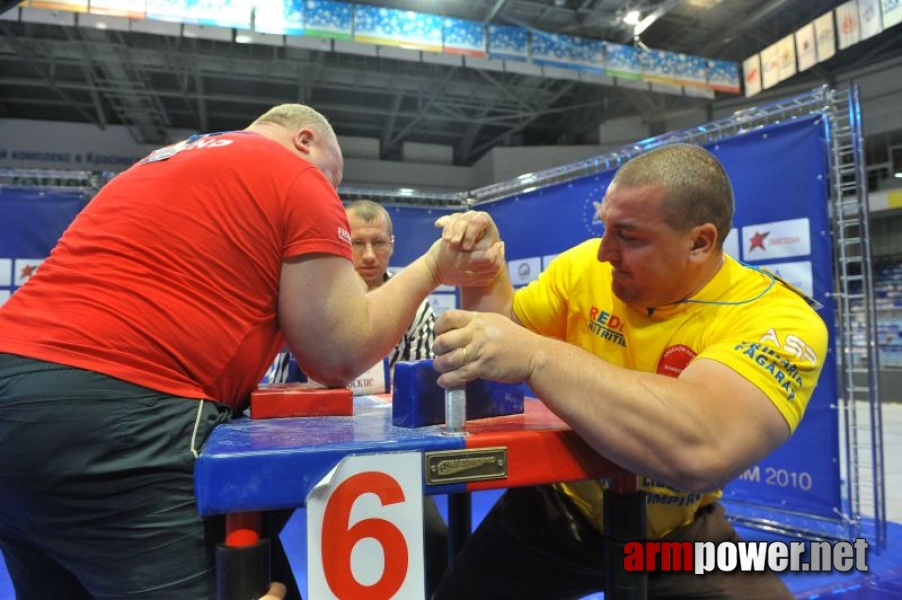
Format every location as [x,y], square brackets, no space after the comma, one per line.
[31,222]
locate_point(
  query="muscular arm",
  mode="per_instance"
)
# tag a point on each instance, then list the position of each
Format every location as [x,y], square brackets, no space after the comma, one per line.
[695,433]
[335,329]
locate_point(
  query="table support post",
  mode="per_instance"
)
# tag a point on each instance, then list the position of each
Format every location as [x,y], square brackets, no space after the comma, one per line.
[624,521]
[460,519]
[243,561]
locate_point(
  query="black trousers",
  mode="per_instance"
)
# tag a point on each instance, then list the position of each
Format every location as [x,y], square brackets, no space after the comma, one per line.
[535,544]
[97,488]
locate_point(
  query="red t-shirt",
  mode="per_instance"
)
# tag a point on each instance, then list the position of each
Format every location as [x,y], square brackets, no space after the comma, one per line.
[169,278]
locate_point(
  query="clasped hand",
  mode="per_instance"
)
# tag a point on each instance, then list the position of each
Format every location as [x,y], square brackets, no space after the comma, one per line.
[470,252]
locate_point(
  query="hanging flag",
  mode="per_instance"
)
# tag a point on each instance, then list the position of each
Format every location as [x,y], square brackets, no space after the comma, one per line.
[806,51]
[847,24]
[751,74]
[892,13]
[770,66]
[825,37]
[869,18]
[786,57]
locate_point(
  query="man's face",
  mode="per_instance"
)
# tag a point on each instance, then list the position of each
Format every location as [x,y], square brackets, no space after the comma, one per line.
[649,259]
[371,248]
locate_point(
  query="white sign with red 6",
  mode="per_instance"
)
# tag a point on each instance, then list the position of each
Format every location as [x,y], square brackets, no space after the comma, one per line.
[365,529]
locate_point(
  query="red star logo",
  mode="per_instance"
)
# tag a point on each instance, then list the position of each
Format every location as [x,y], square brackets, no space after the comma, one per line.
[758,241]
[27,271]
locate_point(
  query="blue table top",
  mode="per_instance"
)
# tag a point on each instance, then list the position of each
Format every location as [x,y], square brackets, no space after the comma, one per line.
[271,464]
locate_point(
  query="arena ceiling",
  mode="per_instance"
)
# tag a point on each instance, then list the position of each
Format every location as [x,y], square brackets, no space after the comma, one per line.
[152,83]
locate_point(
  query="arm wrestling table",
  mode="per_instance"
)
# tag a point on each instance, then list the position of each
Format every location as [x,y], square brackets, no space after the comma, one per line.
[248,466]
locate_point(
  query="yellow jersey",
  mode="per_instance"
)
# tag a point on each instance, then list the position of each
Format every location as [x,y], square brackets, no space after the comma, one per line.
[743,318]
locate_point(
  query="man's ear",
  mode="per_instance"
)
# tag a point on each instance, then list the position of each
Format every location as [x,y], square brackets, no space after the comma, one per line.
[704,241]
[303,140]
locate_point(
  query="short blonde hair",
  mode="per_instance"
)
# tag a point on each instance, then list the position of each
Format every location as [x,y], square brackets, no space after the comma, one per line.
[370,211]
[296,116]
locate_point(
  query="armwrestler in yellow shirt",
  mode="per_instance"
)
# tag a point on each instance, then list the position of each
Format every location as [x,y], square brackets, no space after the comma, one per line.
[668,357]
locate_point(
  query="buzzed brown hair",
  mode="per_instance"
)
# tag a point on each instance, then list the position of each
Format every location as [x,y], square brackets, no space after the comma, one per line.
[697,188]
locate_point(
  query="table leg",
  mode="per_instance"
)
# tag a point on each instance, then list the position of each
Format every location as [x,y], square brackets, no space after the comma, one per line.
[460,521]
[624,521]
[243,561]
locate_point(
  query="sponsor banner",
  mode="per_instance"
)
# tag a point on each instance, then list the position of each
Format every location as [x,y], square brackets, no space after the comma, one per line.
[285,17]
[218,13]
[623,61]
[566,51]
[463,37]
[394,27]
[723,76]
[508,42]
[780,239]
[693,71]
[524,270]
[135,9]
[328,18]
[796,274]
[6,269]
[69,5]
[659,66]
[24,268]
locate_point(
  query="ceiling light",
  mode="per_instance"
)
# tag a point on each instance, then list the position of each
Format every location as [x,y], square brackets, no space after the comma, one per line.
[632,18]
[898,174]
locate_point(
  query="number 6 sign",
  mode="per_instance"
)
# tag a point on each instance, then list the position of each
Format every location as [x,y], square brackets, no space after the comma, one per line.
[365,529]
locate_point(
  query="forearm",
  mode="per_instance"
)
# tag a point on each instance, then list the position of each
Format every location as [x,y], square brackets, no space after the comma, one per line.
[402,297]
[656,426]
[496,297]
[335,328]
